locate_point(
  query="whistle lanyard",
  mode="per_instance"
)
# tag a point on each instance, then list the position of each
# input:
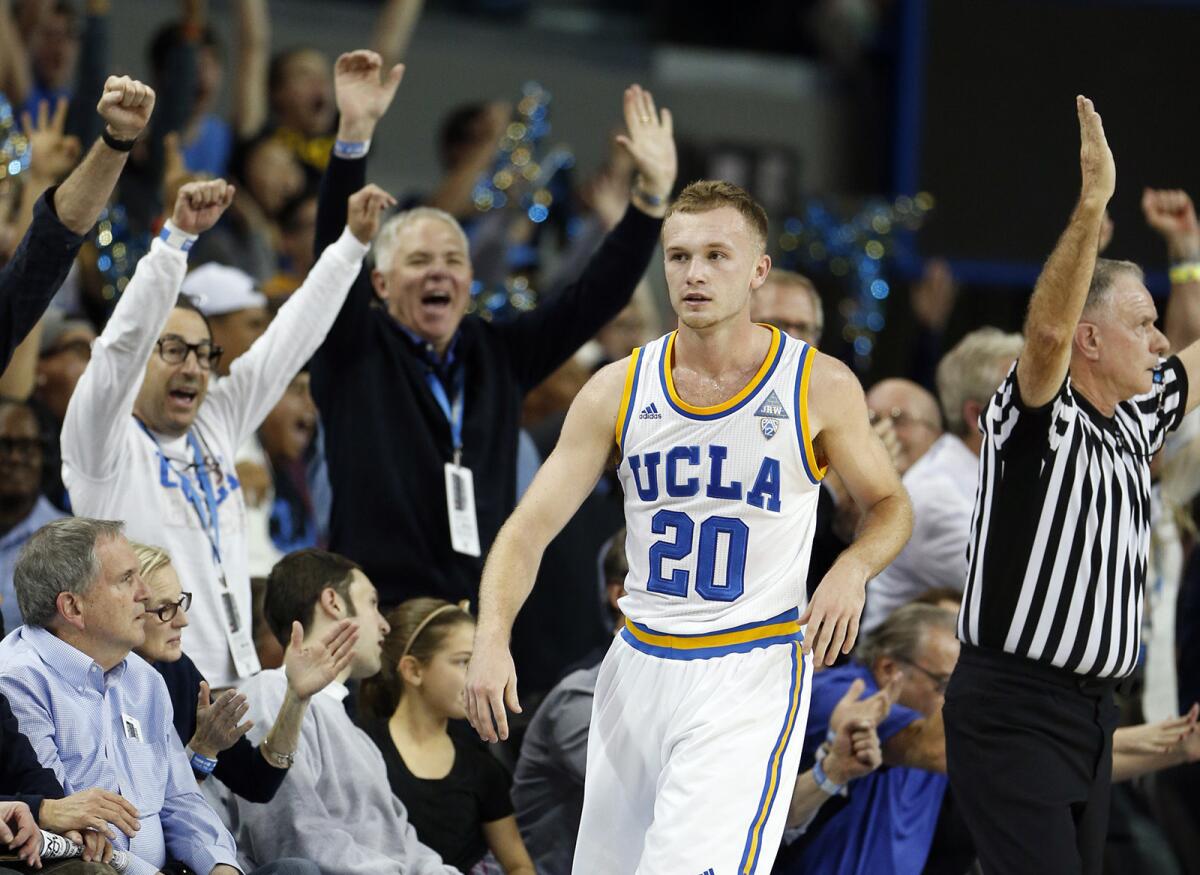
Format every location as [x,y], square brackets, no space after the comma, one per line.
[451,408]
[203,503]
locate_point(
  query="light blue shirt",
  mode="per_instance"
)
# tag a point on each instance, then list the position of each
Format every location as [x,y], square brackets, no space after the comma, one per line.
[114,731]
[11,543]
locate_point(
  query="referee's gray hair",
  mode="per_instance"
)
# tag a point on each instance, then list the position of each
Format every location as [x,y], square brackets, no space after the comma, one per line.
[384,248]
[59,557]
[1106,273]
[901,634]
[973,370]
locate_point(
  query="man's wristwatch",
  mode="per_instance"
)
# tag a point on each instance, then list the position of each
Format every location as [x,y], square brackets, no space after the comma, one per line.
[277,759]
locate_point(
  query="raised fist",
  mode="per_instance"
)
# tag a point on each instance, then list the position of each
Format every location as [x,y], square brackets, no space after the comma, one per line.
[365,207]
[200,204]
[126,106]
[1171,213]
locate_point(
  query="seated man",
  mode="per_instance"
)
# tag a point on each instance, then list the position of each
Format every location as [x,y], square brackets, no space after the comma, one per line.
[336,808]
[885,823]
[95,713]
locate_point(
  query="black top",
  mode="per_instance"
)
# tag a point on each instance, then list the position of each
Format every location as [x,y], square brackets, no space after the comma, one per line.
[386,438]
[241,768]
[1057,558]
[34,274]
[22,776]
[449,813]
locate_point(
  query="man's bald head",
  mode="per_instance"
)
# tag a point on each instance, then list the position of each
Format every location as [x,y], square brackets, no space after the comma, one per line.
[913,413]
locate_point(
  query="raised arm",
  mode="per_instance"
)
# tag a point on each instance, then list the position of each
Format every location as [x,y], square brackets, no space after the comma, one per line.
[1061,290]
[561,485]
[394,29]
[103,400]
[1172,215]
[363,95]
[541,340]
[846,441]
[251,93]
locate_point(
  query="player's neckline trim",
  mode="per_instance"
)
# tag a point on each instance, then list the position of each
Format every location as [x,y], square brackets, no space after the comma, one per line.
[774,354]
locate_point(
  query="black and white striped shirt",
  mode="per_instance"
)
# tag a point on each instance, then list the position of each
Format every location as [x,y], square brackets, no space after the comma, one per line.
[1061,526]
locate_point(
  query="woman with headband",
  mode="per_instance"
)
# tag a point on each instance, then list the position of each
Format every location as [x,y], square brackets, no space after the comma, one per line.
[455,792]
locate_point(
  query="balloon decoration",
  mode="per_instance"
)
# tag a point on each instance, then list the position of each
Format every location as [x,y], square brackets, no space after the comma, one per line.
[856,248]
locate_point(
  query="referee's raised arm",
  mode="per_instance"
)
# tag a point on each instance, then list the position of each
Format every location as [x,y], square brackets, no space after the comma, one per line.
[1062,288]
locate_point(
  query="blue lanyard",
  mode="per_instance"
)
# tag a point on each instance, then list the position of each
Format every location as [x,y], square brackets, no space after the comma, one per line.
[452,410]
[205,505]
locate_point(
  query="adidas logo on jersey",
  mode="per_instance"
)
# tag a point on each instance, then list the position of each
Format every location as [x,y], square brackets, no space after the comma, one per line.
[650,411]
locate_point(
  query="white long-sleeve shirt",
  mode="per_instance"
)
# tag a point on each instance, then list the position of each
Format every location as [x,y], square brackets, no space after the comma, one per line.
[336,807]
[112,468]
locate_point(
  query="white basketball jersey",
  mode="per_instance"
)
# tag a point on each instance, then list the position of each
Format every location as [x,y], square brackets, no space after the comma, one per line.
[720,502]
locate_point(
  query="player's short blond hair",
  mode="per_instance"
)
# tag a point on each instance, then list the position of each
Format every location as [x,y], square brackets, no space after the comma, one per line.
[705,195]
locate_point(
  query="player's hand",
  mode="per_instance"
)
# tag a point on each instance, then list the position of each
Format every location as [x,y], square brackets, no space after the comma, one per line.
[363,91]
[19,832]
[650,142]
[1096,164]
[491,684]
[833,613]
[125,106]
[365,209]
[1171,213]
[200,204]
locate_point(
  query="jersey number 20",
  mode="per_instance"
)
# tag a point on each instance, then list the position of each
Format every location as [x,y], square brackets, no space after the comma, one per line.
[738,534]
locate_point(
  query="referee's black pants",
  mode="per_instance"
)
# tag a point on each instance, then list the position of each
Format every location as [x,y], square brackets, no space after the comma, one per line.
[1029,756]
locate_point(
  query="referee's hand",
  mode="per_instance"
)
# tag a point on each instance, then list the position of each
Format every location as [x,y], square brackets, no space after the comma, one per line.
[831,620]
[491,684]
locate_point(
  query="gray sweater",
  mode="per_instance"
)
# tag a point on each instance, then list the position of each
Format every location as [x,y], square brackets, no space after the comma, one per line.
[336,807]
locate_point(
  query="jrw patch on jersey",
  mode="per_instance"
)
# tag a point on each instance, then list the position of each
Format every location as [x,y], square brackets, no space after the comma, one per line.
[768,413]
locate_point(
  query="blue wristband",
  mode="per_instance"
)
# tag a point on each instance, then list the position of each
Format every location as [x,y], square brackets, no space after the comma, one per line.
[350,149]
[200,763]
[176,237]
[823,783]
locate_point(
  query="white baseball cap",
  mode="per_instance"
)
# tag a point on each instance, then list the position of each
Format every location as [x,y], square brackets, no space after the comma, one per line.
[218,289]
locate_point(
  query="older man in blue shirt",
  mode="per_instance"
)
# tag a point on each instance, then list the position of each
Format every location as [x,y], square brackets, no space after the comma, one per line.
[95,712]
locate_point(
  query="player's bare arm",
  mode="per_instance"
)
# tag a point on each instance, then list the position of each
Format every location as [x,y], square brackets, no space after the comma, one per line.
[846,442]
[1061,290]
[561,485]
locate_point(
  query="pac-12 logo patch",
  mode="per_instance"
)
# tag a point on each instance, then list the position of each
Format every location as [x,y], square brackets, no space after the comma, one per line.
[769,414]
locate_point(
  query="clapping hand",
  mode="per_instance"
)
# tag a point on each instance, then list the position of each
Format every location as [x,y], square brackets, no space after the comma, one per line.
[363,92]
[218,723]
[312,667]
[125,106]
[199,205]
[651,144]
[1161,737]
[53,153]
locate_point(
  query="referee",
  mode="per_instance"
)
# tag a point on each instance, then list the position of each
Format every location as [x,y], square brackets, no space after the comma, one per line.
[1053,600]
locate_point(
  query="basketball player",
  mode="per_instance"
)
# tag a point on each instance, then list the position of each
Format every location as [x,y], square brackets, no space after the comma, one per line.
[723,430]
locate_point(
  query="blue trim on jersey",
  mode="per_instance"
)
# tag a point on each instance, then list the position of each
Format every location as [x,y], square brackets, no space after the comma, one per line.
[637,375]
[801,437]
[773,779]
[718,648]
[706,417]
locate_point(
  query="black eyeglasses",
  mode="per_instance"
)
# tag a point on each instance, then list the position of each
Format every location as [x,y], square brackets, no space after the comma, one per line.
[940,681]
[174,351]
[26,447]
[167,612]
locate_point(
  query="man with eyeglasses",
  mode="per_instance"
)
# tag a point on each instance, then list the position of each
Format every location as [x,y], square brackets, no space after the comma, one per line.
[915,419]
[23,509]
[151,439]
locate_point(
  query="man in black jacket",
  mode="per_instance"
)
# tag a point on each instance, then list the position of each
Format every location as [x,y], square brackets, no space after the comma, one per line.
[63,215]
[412,394]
